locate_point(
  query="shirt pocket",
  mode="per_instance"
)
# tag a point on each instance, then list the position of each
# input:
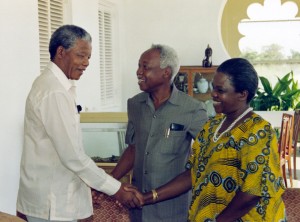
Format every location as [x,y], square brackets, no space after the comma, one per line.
[173,142]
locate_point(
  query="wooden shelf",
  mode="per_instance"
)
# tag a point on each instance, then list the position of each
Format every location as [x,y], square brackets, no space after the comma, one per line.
[103,117]
[192,75]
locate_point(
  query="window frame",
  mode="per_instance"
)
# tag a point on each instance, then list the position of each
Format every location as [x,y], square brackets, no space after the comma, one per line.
[109,81]
[231,18]
[50,17]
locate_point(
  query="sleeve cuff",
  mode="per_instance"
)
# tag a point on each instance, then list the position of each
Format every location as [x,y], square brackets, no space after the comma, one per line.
[110,186]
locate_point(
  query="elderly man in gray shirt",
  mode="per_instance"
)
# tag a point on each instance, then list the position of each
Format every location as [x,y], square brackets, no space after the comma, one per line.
[162,121]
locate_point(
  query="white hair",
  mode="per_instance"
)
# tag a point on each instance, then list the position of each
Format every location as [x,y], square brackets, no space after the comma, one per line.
[168,58]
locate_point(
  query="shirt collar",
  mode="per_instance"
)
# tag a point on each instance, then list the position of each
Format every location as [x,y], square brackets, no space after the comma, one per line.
[58,73]
[174,98]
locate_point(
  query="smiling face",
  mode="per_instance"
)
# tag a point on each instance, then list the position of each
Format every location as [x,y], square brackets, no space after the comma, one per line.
[150,76]
[226,99]
[75,60]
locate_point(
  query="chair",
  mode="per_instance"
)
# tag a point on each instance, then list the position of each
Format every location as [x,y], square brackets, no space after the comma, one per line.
[285,145]
[295,137]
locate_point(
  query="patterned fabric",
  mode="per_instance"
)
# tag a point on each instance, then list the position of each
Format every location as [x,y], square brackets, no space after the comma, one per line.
[291,199]
[108,211]
[244,159]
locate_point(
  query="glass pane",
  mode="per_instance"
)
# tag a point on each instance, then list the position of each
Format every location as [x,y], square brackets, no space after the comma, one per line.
[104,141]
[272,38]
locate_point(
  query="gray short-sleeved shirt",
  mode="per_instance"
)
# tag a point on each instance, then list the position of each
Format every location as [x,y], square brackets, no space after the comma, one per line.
[162,154]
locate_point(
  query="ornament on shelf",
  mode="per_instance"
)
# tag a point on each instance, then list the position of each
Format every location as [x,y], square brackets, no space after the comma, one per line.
[207,61]
[202,85]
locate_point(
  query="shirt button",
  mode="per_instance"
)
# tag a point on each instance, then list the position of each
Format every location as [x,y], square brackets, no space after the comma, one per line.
[145,172]
[154,116]
[147,153]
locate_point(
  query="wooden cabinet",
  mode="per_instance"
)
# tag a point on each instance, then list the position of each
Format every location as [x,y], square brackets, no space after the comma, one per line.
[188,76]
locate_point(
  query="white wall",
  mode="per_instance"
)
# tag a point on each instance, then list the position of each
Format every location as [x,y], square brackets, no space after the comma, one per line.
[19,56]
[86,15]
[188,26]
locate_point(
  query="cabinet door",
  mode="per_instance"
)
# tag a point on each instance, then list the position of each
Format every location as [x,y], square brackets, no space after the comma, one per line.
[188,76]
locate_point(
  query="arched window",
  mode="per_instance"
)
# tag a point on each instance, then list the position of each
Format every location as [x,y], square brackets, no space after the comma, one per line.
[267,32]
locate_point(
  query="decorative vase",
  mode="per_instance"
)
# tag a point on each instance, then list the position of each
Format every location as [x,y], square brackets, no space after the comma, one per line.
[202,85]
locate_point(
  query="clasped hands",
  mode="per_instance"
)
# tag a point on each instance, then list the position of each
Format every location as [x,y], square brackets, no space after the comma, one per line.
[127,195]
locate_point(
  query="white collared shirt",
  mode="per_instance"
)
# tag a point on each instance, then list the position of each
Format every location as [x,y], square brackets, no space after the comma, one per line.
[56,174]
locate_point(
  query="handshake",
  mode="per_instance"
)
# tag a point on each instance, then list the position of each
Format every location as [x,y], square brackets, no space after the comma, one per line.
[128,196]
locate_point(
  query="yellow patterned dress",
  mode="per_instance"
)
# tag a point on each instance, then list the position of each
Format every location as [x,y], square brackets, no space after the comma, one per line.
[246,159]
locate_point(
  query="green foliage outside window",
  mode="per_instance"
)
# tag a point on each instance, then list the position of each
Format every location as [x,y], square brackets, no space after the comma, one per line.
[271,52]
[284,96]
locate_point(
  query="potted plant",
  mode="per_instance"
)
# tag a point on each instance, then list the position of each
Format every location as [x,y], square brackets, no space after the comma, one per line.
[284,96]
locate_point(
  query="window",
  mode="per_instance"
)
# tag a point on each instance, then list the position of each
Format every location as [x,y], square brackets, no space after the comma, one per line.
[50,18]
[266,32]
[275,24]
[108,81]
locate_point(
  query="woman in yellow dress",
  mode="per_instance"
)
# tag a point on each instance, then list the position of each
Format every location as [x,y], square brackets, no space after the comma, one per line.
[234,170]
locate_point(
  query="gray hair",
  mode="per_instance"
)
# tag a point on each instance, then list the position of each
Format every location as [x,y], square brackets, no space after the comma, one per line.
[66,36]
[168,58]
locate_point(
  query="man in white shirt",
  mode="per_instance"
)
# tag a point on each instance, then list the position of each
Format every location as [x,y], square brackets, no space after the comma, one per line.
[56,174]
